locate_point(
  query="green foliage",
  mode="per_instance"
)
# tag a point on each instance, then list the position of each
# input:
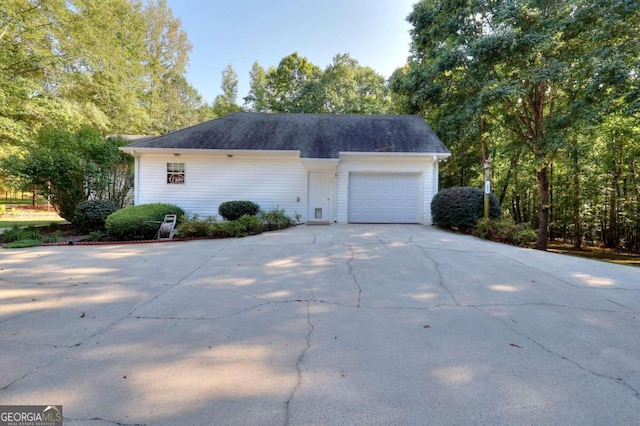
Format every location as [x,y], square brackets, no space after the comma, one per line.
[66,167]
[194,227]
[505,230]
[461,207]
[243,226]
[90,215]
[256,100]
[53,237]
[544,79]
[22,244]
[117,66]
[297,85]
[232,210]
[3,209]
[139,222]
[16,234]
[346,87]
[275,219]
[95,236]
[226,102]
[290,85]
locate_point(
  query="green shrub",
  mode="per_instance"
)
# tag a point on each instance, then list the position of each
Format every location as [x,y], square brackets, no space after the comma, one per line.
[139,222]
[242,227]
[245,226]
[52,237]
[95,236]
[22,244]
[525,237]
[90,215]
[232,210]
[193,226]
[506,231]
[3,209]
[484,229]
[460,207]
[275,219]
[17,234]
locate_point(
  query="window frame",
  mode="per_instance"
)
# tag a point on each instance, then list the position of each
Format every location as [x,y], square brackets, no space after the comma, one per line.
[176,172]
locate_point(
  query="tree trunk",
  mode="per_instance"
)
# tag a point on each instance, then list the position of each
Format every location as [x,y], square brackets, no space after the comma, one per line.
[551,216]
[577,223]
[543,216]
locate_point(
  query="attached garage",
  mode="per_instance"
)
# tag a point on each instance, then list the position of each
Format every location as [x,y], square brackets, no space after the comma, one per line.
[385,197]
[318,168]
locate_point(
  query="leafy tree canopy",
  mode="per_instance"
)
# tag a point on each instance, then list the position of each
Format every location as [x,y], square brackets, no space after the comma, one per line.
[522,70]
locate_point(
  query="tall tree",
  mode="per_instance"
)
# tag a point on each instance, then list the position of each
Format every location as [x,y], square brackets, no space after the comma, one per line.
[66,167]
[291,86]
[169,99]
[225,103]
[256,100]
[508,64]
[28,66]
[346,87]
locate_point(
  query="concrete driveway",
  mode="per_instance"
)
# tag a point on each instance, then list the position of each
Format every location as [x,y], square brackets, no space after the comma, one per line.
[336,325]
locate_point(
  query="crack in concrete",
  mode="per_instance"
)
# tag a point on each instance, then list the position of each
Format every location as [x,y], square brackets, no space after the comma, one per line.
[353,276]
[440,279]
[553,305]
[109,326]
[624,306]
[298,367]
[570,284]
[233,314]
[576,364]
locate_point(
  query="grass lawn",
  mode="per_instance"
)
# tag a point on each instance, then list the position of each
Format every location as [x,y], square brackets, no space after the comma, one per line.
[26,215]
[24,222]
[598,253]
[22,201]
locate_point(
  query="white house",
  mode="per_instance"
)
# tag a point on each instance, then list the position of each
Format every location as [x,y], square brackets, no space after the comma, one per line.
[321,168]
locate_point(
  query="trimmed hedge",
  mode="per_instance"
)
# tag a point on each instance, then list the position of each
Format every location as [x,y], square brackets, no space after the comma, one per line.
[139,222]
[90,215]
[233,210]
[461,206]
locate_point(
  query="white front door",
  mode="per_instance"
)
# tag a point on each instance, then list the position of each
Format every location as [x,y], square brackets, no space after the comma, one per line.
[319,197]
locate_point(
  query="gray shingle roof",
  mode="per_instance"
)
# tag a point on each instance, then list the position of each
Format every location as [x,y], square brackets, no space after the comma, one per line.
[314,135]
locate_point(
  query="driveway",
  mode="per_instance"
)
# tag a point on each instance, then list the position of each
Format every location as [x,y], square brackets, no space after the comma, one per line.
[335,325]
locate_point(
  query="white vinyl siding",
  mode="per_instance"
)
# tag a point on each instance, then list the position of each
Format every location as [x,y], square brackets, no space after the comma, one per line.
[271,182]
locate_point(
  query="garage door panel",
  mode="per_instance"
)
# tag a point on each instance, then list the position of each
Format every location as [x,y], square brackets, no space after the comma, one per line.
[384,197]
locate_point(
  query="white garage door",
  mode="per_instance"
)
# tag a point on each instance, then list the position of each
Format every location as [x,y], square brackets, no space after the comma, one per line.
[384,197]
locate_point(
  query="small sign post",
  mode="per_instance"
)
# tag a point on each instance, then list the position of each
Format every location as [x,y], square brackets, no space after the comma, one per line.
[487,185]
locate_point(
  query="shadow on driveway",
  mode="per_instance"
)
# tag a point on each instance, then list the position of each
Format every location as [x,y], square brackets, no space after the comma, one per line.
[346,324]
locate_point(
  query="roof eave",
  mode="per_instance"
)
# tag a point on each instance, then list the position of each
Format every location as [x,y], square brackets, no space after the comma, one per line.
[133,150]
[439,155]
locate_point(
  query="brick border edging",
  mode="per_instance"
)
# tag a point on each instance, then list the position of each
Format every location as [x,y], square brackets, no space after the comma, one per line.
[104,243]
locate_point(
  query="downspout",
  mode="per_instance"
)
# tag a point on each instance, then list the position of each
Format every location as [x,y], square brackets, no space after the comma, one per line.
[136,178]
[434,183]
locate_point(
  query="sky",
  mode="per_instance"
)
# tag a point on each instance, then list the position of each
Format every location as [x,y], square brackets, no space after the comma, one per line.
[240,32]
